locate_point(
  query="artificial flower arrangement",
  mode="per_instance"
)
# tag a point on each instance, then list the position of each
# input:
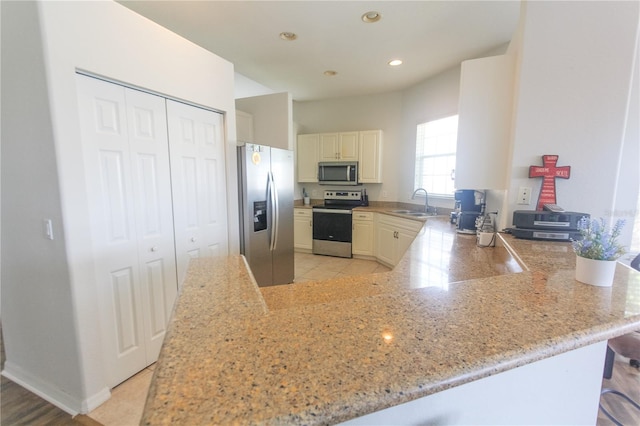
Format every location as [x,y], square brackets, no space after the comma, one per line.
[596,243]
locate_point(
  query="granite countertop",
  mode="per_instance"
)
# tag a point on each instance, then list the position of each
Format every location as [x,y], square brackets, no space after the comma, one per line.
[324,352]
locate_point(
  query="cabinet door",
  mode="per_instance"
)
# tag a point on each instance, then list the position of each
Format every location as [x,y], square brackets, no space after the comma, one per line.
[328,147]
[196,141]
[385,244]
[370,156]
[362,237]
[348,146]
[303,229]
[403,241]
[125,153]
[307,158]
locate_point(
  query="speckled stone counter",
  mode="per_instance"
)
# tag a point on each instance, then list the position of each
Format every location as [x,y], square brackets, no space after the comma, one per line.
[325,352]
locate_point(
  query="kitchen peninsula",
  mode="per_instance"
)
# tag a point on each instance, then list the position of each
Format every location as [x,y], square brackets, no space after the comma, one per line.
[448,318]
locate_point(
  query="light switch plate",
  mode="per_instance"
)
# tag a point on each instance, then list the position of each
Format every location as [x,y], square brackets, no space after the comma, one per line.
[47,227]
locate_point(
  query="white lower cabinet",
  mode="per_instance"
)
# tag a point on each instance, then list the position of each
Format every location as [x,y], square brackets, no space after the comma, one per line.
[363,234]
[302,229]
[394,235]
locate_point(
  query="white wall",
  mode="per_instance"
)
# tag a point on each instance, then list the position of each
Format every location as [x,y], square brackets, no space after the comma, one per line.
[573,92]
[37,308]
[245,87]
[434,98]
[627,197]
[397,114]
[573,85]
[49,310]
[272,115]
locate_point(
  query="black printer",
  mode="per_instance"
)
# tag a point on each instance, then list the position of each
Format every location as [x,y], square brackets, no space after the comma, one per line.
[546,225]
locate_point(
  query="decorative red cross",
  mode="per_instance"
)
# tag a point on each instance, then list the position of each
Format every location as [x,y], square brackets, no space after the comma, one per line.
[549,172]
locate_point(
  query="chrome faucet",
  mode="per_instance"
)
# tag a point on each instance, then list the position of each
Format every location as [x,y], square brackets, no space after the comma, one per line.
[426,199]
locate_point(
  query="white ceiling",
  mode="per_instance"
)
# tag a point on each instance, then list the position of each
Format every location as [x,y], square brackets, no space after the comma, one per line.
[429,36]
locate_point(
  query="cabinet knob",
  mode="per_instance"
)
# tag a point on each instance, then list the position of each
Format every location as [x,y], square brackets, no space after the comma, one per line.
[193,239]
[154,248]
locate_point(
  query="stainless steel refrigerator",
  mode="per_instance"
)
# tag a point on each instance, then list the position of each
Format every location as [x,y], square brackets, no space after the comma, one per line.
[266,206]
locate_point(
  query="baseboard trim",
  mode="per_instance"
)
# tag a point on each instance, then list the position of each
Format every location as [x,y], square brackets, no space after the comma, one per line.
[51,394]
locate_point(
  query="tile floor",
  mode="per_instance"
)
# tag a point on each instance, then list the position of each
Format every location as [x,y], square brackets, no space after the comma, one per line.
[125,406]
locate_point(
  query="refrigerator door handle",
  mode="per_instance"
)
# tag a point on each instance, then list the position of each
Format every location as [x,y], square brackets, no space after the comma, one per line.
[273,194]
[276,216]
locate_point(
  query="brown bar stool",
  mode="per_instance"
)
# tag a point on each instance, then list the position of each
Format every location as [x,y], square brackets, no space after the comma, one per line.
[627,345]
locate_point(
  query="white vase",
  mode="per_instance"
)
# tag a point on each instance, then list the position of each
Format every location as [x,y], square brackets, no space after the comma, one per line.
[595,272]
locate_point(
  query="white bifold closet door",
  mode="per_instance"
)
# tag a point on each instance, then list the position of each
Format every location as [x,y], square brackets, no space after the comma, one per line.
[198,175]
[126,158]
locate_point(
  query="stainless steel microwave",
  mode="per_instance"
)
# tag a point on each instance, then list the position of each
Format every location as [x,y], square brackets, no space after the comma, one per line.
[338,173]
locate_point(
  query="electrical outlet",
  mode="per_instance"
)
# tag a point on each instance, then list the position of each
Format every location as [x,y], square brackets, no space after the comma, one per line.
[384,194]
[314,193]
[524,195]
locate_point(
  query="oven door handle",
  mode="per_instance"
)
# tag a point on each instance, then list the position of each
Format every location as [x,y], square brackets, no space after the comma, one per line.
[338,211]
[275,220]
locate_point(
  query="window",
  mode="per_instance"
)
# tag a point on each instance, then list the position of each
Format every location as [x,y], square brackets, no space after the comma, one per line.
[436,156]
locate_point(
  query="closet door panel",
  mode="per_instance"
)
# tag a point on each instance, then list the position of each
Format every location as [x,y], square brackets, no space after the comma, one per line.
[126,156]
[157,298]
[107,162]
[149,146]
[123,292]
[196,141]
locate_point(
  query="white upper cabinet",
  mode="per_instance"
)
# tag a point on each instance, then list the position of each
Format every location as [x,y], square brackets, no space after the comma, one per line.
[484,123]
[370,156]
[307,158]
[348,146]
[364,147]
[339,146]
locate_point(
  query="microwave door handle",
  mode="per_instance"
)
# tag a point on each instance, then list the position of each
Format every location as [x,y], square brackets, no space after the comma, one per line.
[348,173]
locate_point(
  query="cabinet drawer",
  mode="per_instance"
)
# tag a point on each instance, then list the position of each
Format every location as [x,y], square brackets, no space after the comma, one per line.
[368,216]
[396,222]
[302,213]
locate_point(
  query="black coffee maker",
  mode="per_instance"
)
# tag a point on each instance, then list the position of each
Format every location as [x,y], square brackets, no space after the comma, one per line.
[469,205]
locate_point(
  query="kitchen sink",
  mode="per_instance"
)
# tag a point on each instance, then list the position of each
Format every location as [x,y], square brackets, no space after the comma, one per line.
[410,213]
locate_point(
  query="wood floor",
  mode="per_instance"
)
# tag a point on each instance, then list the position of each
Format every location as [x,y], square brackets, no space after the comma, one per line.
[21,407]
[625,379]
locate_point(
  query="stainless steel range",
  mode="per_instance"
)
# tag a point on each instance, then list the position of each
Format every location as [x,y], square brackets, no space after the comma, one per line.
[332,229]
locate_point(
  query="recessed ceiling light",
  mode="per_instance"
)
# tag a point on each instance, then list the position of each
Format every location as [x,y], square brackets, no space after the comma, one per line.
[395,62]
[330,73]
[371,17]
[288,36]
